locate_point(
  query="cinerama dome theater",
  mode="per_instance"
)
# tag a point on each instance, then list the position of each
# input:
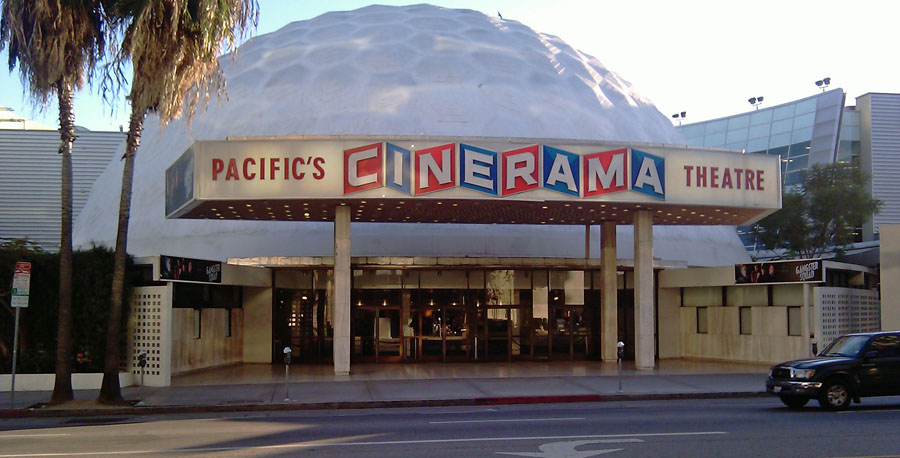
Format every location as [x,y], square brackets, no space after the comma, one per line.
[484,286]
[420,71]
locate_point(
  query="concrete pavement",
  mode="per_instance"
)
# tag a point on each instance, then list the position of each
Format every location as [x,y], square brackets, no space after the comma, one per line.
[262,386]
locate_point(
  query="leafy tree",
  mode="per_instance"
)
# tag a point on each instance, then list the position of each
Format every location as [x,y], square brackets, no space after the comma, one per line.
[56,44]
[173,46]
[821,214]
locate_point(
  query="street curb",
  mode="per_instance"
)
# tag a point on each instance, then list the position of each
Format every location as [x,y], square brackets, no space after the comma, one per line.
[33,412]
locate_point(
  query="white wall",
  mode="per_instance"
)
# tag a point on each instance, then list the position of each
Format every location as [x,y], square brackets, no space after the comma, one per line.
[890,276]
[257,325]
[768,343]
[214,347]
[703,287]
[669,316]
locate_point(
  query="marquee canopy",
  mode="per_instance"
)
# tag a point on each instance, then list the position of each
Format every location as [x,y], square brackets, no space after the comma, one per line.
[469,180]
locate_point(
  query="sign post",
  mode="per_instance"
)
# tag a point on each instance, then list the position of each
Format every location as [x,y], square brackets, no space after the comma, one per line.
[19,299]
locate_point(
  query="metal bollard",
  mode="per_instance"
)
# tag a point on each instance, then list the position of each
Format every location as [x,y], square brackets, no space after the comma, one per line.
[287,365]
[620,355]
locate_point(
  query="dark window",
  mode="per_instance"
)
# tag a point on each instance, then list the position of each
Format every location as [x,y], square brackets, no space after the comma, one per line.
[887,346]
[194,295]
[780,151]
[848,150]
[794,178]
[837,278]
[797,163]
[799,149]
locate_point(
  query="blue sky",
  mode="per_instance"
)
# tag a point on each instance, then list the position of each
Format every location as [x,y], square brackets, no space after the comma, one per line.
[703,57]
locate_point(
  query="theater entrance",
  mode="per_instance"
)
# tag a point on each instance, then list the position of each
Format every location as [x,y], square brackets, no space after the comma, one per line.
[625,317]
[300,322]
[460,315]
[375,326]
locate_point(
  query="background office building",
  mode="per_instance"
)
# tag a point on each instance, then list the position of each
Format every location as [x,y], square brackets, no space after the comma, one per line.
[30,176]
[819,129]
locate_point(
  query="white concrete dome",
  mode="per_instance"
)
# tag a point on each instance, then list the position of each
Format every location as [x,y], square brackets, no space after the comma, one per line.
[381,70]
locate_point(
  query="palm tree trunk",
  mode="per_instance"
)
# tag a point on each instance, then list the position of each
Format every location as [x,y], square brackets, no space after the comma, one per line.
[110,392]
[62,388]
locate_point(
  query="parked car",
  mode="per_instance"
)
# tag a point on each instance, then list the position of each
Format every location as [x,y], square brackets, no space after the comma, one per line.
[851,367]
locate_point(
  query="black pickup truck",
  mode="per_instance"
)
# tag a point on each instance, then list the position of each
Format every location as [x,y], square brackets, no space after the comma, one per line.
[851,367]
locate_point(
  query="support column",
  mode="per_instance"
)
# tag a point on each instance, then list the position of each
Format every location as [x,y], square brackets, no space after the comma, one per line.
[609,330]
[643,290]
[587,241]
[804,320]
[342,290]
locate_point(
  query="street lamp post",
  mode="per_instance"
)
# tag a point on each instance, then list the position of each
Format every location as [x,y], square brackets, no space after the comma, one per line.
[680,116]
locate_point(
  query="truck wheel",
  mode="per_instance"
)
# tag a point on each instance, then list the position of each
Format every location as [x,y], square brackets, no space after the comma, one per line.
[835,395]
[794,402]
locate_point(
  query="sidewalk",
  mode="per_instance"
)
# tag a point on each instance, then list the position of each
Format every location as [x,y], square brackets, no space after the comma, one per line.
[262,387]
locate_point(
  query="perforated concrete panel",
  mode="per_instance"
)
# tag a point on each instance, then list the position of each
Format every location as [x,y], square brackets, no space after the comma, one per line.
[149,328]
[845,310]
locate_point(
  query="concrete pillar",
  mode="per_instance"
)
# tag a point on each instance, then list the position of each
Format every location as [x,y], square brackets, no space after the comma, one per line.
[804,320]
[643,290]
[342,290]
[587,241]
[609,331]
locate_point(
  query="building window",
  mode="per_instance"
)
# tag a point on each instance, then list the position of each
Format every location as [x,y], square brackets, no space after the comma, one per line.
[196,323]
[746,321]
[793,321]
[228,322]
[702,323]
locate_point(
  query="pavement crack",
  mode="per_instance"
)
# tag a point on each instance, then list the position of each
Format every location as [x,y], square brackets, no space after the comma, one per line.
[369,389]
[476,387]
[578,382]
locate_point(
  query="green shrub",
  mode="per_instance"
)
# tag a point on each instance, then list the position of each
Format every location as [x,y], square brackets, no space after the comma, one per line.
[91,282]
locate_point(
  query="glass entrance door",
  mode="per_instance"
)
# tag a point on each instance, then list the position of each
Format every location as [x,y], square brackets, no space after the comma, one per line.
[625,325]
[363,334]
[299,322]
[389,340]
[456,334]
[496,337]
[570,333]
[376,334]
[376,331]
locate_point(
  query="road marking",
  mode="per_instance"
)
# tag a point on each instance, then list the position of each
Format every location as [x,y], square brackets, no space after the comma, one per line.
[566,449]
[869,411]
[504,421]
[334,443]
[16,436]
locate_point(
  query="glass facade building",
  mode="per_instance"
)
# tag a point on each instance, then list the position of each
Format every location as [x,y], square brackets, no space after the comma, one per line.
[814,130]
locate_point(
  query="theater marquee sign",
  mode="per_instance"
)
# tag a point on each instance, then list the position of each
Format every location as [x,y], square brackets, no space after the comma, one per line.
[493,173]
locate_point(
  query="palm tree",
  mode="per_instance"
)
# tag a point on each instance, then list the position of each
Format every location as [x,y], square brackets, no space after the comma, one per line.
[55,45]
[173,46]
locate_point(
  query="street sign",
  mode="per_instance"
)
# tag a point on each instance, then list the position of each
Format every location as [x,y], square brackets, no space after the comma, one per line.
[21,284]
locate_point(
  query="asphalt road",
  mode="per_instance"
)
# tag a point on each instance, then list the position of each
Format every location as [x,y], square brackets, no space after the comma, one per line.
[695,428]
